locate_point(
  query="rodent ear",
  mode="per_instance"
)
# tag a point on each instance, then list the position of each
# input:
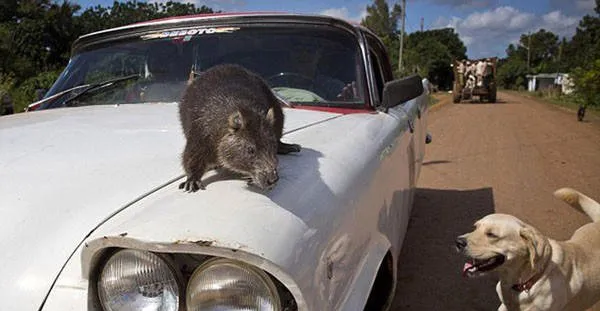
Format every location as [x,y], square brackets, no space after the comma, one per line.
[271,116]
[236,121]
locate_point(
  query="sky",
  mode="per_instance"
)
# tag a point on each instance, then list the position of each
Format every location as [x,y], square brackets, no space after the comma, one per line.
[486,27]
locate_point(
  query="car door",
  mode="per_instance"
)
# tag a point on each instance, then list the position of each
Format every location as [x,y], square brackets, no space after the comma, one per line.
[402,153]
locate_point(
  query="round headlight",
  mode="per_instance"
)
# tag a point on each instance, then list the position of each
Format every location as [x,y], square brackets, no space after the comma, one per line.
[138,280]
[224,284]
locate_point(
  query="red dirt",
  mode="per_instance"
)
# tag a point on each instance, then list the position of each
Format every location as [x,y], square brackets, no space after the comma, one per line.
[507,157]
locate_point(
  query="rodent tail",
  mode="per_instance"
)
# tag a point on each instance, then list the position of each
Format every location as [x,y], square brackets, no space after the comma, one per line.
[580,202]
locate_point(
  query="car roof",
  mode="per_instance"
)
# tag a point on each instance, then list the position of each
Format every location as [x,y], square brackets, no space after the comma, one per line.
[232,17]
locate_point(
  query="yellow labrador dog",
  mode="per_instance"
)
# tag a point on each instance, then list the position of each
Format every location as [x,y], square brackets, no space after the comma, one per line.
[536,272]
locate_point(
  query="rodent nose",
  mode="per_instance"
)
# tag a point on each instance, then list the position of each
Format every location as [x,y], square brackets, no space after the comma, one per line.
[273,177]
[461,243]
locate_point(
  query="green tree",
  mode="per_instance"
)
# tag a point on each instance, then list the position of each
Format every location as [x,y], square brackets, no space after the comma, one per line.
[511,72]
[587,87]
[587,83]
[544,46]
[430,53]
[584,47]
[123,13]
[384,23]
[177,9]
[8,10]
[544,56]
[381,20]
[585,57]
[60,30]
[36,36]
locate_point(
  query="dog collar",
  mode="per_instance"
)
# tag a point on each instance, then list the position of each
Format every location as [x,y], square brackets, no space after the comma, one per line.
[527,285]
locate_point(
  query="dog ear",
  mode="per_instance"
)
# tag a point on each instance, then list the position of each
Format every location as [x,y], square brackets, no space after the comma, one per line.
[536,244]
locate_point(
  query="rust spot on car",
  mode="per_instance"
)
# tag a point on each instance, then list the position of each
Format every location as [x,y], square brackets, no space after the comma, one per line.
[197,242]
[203,243]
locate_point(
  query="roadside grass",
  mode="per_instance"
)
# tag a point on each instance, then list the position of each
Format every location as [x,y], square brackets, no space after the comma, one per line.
[433,100]
[439,97]
[563,101]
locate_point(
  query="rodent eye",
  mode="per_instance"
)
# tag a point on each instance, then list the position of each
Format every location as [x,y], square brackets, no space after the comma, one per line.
[251,150]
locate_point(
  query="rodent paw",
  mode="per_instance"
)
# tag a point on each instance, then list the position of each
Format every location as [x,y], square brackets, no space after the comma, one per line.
[284,148]
[191,185]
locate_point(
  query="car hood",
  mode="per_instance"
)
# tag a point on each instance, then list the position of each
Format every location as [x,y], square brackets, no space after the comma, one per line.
[65,171]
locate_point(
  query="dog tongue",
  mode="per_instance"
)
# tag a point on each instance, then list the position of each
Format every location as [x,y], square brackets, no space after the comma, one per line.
[466,268]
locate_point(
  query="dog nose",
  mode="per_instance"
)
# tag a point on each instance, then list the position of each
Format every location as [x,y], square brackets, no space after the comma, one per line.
[461,243]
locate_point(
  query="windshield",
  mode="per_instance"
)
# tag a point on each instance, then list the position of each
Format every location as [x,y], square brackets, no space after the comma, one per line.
[303,65]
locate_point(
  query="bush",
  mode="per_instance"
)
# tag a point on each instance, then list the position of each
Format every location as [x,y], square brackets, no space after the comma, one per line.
[551,92]
[6,84]
[24,94]
[587,85]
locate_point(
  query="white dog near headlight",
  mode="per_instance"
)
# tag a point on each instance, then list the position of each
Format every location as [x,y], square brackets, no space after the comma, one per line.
[536,272]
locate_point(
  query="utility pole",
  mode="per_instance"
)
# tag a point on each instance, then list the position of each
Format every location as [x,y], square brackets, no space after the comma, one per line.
[528,50]
[422,22]
[403,14]
[528,47]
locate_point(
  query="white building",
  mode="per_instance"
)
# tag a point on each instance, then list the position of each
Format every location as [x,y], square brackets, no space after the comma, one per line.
[550,80]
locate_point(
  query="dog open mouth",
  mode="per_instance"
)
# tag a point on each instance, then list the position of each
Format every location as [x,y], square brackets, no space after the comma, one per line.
[475,266]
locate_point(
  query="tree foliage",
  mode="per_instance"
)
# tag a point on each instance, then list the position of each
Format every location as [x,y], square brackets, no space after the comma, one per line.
[381,20]
[384,23]
[587,83]
[549,54]
[431,52]
[511,73]
[428,53]
[123,13]
[36,36]
[539,52]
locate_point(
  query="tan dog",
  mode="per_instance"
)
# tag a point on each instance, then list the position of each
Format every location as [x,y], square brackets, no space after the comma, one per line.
[538,273]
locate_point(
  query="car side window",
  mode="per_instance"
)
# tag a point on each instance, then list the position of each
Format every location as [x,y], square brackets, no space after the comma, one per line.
[377,73]
[379,61]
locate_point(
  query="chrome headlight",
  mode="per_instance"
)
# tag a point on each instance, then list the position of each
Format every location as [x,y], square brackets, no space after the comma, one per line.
[138,280]
[224,284]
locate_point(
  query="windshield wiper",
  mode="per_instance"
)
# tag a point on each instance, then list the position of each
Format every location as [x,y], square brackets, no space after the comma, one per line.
[57,95]
[88,88]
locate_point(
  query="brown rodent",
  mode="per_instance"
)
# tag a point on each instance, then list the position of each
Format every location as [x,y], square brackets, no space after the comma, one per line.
[231,119]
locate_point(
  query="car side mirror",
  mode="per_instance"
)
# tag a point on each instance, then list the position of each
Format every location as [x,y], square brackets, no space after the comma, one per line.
[399,91]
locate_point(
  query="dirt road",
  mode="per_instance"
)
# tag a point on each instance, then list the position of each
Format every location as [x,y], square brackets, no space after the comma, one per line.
[507,157]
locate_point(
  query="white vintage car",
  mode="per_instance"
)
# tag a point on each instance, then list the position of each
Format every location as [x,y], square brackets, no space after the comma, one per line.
[92,217]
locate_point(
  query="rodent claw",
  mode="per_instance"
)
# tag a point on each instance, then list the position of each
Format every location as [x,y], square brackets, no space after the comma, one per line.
[284,148]
[191,186]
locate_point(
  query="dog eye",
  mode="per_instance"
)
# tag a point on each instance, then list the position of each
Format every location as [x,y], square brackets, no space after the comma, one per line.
[491,235]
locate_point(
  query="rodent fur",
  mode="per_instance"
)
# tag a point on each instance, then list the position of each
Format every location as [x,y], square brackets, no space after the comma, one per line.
[231,119]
